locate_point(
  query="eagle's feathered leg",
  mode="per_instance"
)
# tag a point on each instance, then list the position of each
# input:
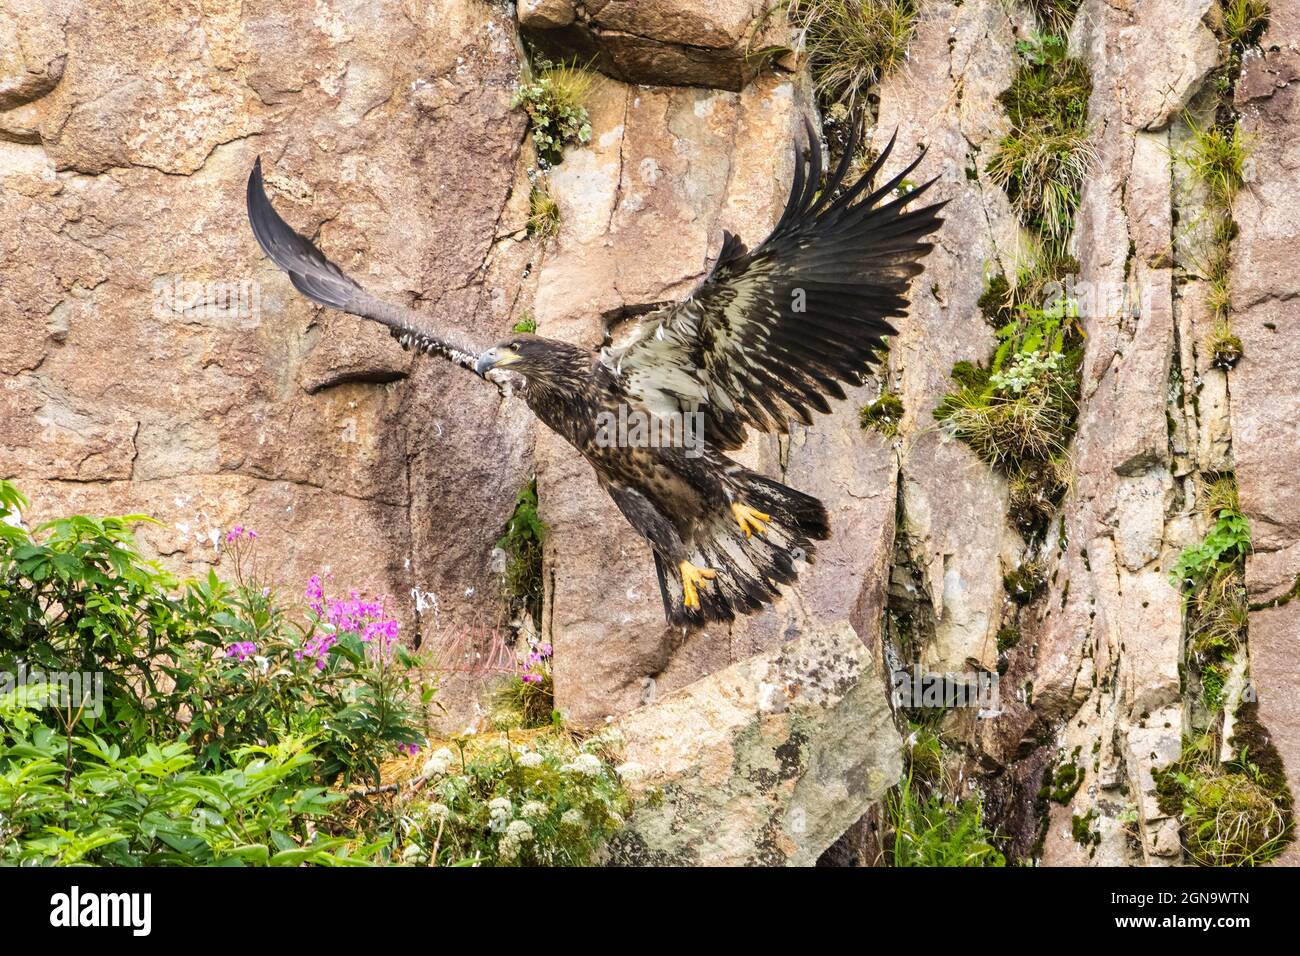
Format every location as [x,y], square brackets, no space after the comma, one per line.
[752,538]
[669,549]
[723,566]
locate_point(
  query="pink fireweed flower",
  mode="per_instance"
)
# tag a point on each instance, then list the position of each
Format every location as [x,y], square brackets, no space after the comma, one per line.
[354,614]
[409,749]
[240,533]
[241,649]
[316,648]
[531,678]
[315,594]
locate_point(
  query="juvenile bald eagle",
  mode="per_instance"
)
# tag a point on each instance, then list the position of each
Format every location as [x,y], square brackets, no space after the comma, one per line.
[764,339]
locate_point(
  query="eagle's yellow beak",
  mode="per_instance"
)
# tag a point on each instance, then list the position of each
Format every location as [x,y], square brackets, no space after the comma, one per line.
[495,357]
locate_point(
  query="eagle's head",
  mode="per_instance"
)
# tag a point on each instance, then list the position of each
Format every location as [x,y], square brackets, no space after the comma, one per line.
[531,356]
[520,353]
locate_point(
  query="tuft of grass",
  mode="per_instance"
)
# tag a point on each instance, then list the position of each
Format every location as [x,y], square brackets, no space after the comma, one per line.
[522,542]
[1022,412]
[1231,820]
[1218,493]
[519,704]
[926,828]
[1239,23]
[555,98]
[543,212]
[1231,814]
[1216,156]
[852,44]
[1043,161]
[1218,617]
[526,324]
[1055,15]
[885,414]
[1224,345]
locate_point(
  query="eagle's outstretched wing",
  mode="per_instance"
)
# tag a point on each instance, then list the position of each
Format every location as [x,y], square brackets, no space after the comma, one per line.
[322,281]
[771,333]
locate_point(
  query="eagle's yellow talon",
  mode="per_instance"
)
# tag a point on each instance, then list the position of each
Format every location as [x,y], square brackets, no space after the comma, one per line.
[693,579]
[750,520]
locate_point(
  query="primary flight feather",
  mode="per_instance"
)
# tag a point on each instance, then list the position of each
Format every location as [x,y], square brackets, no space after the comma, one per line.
[765,339]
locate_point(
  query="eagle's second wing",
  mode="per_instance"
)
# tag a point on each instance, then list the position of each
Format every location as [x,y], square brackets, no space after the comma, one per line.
[322,281]
[771,333]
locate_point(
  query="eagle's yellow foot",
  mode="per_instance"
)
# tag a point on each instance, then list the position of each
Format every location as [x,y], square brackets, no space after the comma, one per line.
[750,521]
[693,579]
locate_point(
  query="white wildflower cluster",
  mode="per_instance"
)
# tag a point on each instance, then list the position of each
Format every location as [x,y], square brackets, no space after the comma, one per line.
[571,818]
[439,762]
[499,813]
[588,765]
[534,810]
[530,758]
[438,811]
[518,833]
[1026,370]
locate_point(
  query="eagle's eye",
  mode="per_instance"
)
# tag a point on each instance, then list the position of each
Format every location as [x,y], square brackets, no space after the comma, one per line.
[514,346]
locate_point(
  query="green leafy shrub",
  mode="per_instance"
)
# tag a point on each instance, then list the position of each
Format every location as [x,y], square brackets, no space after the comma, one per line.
[78,800]
[216,664]
[212,698]
[230,718]
[1227,542]
[555,99]
[1023,407]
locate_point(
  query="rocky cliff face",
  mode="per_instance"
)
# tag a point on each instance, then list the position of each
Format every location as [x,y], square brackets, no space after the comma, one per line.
[155,362]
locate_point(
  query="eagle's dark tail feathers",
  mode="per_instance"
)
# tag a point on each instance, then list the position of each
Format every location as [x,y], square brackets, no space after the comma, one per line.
[746,568]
